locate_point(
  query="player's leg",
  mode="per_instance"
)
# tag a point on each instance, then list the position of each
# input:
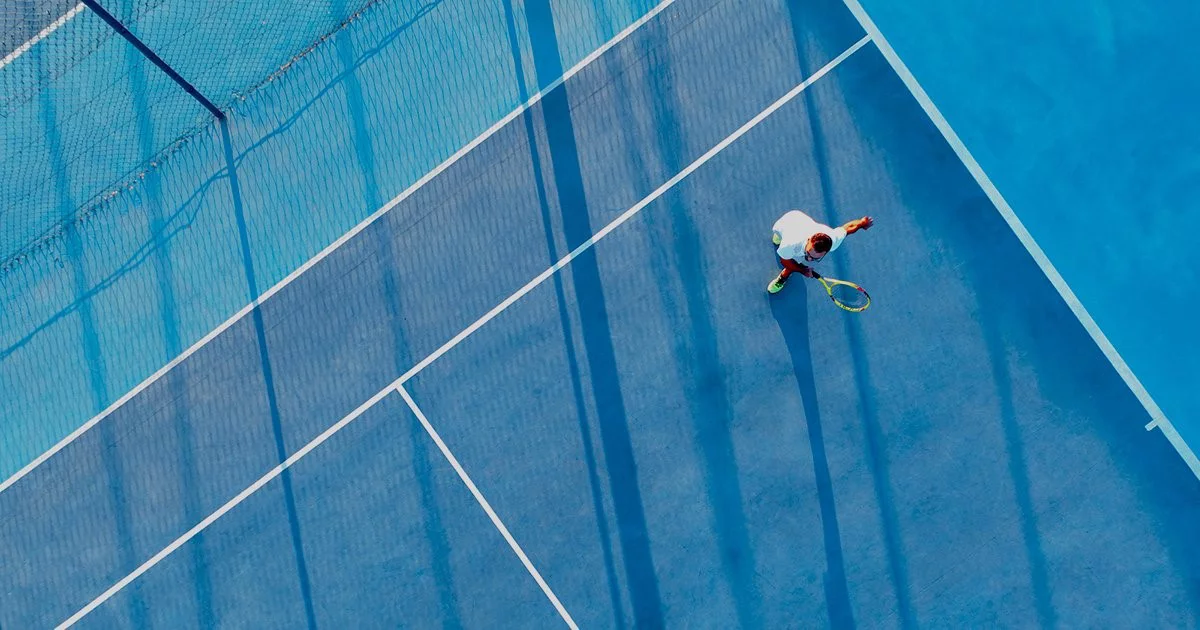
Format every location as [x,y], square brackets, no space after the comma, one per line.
[789,266]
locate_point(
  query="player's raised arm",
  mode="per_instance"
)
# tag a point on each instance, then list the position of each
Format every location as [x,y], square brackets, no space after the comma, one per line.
[858,224]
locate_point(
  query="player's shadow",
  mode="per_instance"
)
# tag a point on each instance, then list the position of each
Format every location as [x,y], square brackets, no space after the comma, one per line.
[826,43]
[790,309]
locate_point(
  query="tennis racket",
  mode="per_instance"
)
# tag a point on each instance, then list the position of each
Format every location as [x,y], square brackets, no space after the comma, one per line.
[846,295]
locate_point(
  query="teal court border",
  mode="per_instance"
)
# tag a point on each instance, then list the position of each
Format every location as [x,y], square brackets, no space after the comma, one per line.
[1158,420]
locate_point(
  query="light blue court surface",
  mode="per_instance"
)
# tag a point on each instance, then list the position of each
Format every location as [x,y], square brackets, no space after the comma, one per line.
[666,445]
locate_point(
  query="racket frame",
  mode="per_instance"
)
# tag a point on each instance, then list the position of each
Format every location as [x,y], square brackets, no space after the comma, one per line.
[829,283]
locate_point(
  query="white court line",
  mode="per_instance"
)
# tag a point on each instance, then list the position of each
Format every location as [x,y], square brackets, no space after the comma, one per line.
[232,503]
[397,385]
[466,479]
[533,100]
[628,214]
[1158,418]
[42,34]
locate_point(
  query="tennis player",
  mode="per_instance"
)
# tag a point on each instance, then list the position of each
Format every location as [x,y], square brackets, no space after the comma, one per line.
[801,241]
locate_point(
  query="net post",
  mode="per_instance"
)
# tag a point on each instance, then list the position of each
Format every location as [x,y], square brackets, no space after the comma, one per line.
[120,28]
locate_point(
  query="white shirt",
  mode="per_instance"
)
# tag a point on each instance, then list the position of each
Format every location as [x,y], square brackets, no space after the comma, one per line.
[794,230]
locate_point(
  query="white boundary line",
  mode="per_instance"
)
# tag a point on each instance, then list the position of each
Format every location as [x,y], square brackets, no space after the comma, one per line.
[42,34]
[636,208]
[232,503]
[533,100]
[466,479]
[397,385]
[1158,418]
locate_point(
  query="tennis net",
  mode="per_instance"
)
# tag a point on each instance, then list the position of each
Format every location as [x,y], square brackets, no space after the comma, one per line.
[84,114]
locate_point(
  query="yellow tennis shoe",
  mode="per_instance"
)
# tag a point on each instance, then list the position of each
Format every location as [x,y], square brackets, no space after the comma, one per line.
[777,284]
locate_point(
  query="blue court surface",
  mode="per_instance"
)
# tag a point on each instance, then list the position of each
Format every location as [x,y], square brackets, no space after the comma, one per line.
[548,387]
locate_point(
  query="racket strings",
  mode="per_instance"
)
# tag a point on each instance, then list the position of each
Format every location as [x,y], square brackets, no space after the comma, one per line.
[849,296]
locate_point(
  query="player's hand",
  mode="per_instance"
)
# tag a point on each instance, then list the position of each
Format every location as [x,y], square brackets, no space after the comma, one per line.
[809,272]
[865,222]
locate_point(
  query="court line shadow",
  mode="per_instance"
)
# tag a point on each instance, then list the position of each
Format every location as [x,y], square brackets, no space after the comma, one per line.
[589,449]
[613,422]
[268,380]
[113,466]
[872,432]
[422,464]
[790,310]
[709,402]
